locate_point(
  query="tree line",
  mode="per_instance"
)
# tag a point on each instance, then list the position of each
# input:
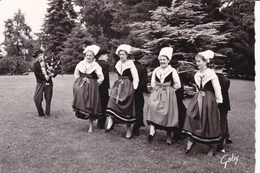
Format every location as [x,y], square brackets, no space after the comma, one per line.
[189,26]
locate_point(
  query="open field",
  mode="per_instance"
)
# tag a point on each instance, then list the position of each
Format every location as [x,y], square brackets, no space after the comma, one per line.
[61,143]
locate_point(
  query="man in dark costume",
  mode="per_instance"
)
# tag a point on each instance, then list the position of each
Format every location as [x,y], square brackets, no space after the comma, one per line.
[44,84]
[102,57]
[142,87]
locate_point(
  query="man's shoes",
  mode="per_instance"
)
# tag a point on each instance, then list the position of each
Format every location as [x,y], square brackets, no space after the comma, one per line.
[229,141]
[142,125]
[47,116]
[100,126]
[176,138]
[136,133]
[150,138]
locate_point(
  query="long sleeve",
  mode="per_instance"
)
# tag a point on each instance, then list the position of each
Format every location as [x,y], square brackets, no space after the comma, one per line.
[143,80]
[153,79]
[176,80]
[135,77]
[99,75]
[76,72]
[38,72]
[217,89]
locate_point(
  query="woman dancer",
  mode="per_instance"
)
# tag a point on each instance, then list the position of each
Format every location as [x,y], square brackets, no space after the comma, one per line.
[162,106]
[202,123]
[121,102]
[86,99]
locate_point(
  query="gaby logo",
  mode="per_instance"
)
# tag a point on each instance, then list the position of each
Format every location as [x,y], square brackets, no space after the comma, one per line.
[229,159]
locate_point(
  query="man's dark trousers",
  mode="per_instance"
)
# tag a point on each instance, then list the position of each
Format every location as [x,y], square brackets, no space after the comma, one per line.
[40,90]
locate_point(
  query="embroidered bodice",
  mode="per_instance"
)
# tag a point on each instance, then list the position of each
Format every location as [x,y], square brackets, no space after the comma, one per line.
[92,75]
[129,70]
[168,74]
[92,69]
[207,80]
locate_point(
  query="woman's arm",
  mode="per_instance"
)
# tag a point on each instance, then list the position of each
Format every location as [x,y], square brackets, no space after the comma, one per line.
[76,72]
[100,75]
[153,79]
[135,77]
[176,80]
[217,89]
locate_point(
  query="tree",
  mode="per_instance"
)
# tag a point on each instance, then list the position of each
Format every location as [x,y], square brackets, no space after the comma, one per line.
[186,26]
[127,12]
[97,17]
[108,21]
[73,48]
[58,23]
[18,44]
[240,18]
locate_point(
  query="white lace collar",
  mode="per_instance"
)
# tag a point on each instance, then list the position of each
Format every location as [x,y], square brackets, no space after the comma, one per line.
[204,76]
[163,73]
[86,67]
[121,67]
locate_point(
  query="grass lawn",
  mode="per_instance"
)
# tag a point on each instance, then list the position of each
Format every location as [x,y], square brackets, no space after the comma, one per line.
[61,143]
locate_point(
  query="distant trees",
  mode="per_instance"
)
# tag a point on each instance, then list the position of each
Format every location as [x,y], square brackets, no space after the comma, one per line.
[18,45]
[186,26]
[58,24]
[240,19]
[73,48]
[189,26]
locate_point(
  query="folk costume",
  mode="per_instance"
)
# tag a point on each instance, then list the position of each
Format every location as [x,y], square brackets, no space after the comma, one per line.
[162,105]
[225,106]
[202,123]
[86,98]
[121,102]
[181,107]
[104,87]
[141,89]
[44,85]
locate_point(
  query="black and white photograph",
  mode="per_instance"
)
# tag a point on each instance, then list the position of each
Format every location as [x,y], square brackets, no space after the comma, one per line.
[129,86]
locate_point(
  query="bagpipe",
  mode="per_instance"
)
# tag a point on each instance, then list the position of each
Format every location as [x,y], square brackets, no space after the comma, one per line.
[52,65]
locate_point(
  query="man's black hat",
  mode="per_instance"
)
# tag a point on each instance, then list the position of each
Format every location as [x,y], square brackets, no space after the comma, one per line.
[102,51]
[218,64]
[175,63]
[37,53]
[137,54]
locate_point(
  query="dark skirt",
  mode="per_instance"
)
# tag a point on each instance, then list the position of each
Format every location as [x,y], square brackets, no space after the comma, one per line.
[86,99]
[202,123]
[163,108]
[121,102]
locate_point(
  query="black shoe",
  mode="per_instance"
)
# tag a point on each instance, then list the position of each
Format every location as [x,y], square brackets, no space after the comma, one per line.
[176,138]
[46,116]
[189,149]
[220,148]
[229,141]
[142,124]
[150,138]
[100,126]
[136,133]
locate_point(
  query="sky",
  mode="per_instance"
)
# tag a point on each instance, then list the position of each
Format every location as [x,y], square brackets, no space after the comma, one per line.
[33,10]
